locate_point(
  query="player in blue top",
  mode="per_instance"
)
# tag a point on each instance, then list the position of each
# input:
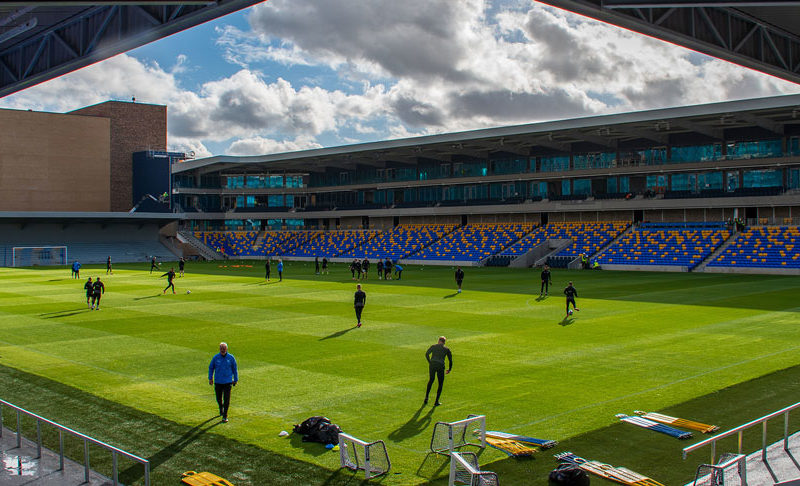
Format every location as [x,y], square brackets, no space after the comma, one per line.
[76,269]
[280,270]
[223,374]
[398,270]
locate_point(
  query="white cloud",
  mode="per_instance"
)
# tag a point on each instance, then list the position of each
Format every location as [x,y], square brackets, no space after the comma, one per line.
[348,71]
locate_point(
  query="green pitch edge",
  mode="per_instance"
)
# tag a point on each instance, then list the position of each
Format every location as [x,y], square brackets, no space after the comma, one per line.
[173,448]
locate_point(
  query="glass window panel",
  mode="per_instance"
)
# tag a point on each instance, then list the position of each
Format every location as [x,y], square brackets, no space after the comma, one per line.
[611,185]
[582,186]
[755,150]
[763,178]
[565,186]
[555,163]
[624,184]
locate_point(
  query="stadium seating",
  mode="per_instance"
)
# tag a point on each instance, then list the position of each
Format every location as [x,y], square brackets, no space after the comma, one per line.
[764,247]
[333,243]
[474,242]
[588,237]
[282,242]
[231,243]
[401,241]
[672,244]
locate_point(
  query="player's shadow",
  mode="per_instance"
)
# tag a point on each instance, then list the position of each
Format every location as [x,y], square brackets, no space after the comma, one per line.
[343,477]
[338,333]
[541,298]
[414,426]
[147,297]
[43,314]
[66,314]
[135,472]
[450,296]
[566,321]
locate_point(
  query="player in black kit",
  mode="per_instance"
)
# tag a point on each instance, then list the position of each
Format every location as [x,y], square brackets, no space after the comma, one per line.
[571,293]
[268,269]
[359,301]
[546,280]
[459,278]
[379,266]
[108,267]
[435,356]
[98,289]
[153,264]
[181,266]
[170,276]
[89,291]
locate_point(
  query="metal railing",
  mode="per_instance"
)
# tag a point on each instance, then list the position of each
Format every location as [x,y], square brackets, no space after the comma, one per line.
[86,441]
[740,429]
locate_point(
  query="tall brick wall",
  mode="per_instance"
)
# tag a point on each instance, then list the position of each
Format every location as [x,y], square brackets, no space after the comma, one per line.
[134,127]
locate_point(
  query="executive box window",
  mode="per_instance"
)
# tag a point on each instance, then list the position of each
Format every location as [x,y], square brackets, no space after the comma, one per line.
[582,186]
[696,153]
[755,149]
[510,166]
[709,181]
[683,182]
[555,163]
[594,160]
[763,178]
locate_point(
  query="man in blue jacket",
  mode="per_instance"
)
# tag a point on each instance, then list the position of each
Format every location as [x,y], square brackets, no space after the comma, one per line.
[223,374]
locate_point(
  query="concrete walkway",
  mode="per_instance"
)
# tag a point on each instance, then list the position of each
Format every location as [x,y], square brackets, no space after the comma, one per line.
[20,466]
[781,465]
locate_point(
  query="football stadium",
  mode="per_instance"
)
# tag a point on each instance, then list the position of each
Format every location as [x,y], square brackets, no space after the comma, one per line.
[608,298]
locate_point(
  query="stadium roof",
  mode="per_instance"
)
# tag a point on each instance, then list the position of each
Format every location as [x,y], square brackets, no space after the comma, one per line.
[761,34]
[775,116]
[41,40]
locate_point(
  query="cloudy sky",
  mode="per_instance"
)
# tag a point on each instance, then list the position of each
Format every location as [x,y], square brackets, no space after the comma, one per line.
[289,75]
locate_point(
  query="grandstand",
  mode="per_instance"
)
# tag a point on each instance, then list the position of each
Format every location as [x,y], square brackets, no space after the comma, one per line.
[666,245]
[400,241]
[474,242]
[762,247]
[332,243]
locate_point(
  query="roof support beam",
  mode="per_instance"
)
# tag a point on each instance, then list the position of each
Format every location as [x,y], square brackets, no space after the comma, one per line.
[759,121]
[716,133]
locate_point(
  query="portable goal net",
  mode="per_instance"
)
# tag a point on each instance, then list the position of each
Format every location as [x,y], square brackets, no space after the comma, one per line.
[449,436]
[464,470]
[28,256]
[370,457]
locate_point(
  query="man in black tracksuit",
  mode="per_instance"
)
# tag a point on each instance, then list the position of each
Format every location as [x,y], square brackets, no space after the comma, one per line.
[571,293]
[459,278]
[98,289]
[268,269]
[181,266]
[153,264]
[170,276]
[379,266]
[435,356]
[546,280]
[359,301]
[88,287]
[316,265]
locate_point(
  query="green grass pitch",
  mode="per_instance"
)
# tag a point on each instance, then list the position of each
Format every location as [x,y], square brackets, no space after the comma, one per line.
[719,349]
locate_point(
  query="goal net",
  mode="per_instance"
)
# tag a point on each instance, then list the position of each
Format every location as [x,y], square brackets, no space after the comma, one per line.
[730,470]
[464,470]
[449,436]
[370,457]
[28,256]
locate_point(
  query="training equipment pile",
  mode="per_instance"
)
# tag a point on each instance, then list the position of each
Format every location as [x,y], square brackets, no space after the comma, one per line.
[618,474]
[650,425]
[516,445]
[203,479]
[318,429]
[678,422]
[540,443]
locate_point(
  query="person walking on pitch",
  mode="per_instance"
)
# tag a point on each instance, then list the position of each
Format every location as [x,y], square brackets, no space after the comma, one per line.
[324,265]
[181,265]
[153,264]
[316,265]
[98,289]
[267,269]
[436,355]
[359,301]
[88,287]
[398,270]
[223,374]
[459,278]
[571,293]
[379,267]
[170,277]
[280,270]
[76,269]
[108,266]
[546,280]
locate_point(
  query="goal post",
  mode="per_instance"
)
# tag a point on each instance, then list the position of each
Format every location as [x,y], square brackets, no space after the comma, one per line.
[449,436]
[370,457]
[28,256]
[464,470]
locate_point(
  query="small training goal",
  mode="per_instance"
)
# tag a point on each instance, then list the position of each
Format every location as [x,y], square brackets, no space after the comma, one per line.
[464,470]
[370,457]
[28,256]
[449,436]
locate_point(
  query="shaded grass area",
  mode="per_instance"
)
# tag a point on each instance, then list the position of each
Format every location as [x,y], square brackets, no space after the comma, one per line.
[174,448]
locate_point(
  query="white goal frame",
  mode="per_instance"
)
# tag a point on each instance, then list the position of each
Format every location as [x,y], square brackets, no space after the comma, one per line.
[449,436]
[46,247]
[370,457]
[464,470]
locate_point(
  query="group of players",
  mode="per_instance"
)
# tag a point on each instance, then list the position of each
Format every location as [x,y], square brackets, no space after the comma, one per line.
[359,269]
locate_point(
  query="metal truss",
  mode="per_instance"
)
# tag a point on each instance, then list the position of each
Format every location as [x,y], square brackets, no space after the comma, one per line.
[93,33]
[739,32]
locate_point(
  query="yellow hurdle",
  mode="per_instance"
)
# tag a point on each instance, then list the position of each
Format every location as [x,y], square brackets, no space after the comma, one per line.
[511,447]
[203,479]
[679,422]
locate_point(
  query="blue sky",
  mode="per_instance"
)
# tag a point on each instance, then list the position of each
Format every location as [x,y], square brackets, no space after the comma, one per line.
[289,75]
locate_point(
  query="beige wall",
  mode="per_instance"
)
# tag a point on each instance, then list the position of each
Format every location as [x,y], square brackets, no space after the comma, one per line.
[54,162]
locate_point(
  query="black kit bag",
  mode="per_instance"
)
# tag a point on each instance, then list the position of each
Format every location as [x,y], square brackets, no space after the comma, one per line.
[568,475]
[310,425]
